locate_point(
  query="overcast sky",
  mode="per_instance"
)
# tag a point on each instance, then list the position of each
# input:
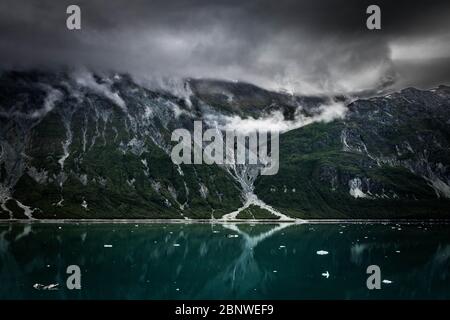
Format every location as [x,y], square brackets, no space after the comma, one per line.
[310,47]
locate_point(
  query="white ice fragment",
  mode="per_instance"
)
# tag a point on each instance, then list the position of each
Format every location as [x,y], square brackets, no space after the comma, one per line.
[387,281]
[107,245]
[326,274]
[53,286]
[233,236]
[282,246]
[322,252]
[176,244]
[38,286]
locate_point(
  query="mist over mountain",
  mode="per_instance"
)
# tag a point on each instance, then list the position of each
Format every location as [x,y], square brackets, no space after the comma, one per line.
[87,145]
[305,47]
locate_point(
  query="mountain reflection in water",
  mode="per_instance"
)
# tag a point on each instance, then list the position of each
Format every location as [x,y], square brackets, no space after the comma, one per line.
[225,261]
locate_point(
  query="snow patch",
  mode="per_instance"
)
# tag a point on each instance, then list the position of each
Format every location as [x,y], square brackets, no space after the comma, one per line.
[355,189]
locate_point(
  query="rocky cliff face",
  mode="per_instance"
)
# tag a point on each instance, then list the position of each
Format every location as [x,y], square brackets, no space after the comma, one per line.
[78,145]
[389,157]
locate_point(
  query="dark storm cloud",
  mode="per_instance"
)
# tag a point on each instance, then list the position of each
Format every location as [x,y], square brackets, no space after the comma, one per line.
[304,46]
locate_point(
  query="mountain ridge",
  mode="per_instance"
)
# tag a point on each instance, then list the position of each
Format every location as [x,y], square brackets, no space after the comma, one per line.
[95,146]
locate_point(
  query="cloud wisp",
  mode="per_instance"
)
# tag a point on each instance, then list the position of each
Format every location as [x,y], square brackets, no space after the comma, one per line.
[300,46]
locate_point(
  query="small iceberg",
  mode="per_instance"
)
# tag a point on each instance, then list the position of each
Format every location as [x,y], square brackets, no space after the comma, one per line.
[387,281]
[38,286]
[107,245]
[326,274]
[322,252]
[53,286]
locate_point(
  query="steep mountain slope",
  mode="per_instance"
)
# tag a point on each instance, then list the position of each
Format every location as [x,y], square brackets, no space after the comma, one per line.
[95,147]
[388,158]
[77,145]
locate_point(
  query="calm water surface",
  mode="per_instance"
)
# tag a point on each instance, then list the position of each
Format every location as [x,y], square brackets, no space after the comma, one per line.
[235,261]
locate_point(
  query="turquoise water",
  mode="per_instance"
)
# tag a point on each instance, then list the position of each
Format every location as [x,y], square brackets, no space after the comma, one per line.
[240,261]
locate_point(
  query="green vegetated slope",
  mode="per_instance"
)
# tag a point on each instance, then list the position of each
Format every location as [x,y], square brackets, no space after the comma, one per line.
[87,146]
[393,152]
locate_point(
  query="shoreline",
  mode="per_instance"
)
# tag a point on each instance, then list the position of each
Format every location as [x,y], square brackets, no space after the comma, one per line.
[222,221]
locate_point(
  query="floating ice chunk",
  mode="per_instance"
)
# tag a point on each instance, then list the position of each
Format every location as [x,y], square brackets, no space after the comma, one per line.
[326,274]
[322,252]
[281,247]
[215,231]
[233,236]
[53,286]
[387,281]
[176,244]
[107,245]
[274,271]
[38,286]
[397,251]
